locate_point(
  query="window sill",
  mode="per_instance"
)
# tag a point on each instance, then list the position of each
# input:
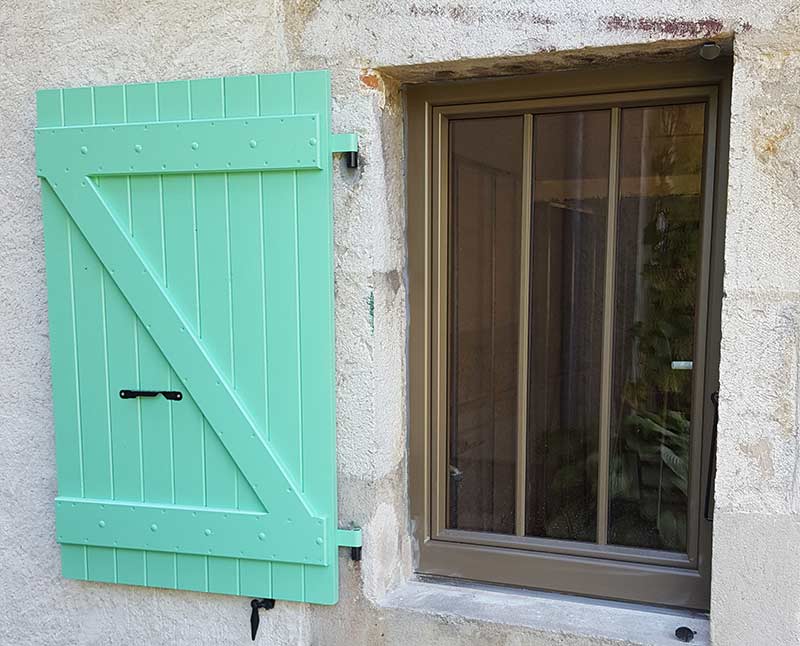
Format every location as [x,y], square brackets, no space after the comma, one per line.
[572,619]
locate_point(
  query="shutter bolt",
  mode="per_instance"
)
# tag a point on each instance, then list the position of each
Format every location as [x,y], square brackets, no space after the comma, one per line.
[253,143]
[195,145]
[312,142]
[261,536]
[319,540]
[102,523]
[153,527]
[138,148]
[207,532]
[84,150]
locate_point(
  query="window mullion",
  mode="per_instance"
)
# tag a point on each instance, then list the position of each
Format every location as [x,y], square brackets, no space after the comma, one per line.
[524,322]
[604,440]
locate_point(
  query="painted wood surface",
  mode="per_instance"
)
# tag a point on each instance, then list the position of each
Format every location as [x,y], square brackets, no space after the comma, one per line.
[216,282]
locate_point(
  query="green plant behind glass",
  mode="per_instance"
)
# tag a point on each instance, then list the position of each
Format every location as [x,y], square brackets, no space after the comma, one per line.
[651,467]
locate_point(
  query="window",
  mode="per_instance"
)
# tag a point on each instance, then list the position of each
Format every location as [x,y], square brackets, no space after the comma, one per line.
[565,271]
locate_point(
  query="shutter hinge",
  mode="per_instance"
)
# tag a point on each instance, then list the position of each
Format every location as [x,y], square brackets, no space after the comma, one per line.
[351,538]
[346,143]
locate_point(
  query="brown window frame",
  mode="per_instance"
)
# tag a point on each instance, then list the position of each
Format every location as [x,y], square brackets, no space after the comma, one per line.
[605,571]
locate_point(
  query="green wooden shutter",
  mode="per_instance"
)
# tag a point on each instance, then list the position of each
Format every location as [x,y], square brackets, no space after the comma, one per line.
[188,233]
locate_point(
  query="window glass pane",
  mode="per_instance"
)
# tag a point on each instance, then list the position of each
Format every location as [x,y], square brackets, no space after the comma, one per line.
[570,205]
[658,252]
[485,169]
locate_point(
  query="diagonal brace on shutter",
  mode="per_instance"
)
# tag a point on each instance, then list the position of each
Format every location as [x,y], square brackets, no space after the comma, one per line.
[215,396]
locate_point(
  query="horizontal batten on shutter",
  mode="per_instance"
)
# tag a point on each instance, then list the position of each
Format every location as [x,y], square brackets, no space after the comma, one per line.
[190,530]
[200,146]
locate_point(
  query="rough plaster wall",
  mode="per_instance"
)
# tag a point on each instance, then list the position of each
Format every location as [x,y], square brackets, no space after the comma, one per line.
[67,43]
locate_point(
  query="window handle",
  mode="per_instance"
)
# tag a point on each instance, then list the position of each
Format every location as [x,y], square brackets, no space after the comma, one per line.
[712,457]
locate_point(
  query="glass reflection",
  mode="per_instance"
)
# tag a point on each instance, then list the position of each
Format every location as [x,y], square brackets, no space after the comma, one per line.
[485,170]
[657,261]
[569,219]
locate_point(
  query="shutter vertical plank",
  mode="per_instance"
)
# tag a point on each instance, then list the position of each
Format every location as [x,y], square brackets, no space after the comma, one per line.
[78,106]
[247,288]
[173,101]
[211,204]
[57,232]
[146,218]
[248,310]
[48,108]
[92,369]
[58,229]
[181,279]
[110,108]
[276,97]
[154,374]
[121,352]
[141,103]
[126,433]
[315,279]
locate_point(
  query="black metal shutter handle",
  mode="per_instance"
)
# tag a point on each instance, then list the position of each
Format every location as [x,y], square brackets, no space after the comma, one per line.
[174,395]
[712,457]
